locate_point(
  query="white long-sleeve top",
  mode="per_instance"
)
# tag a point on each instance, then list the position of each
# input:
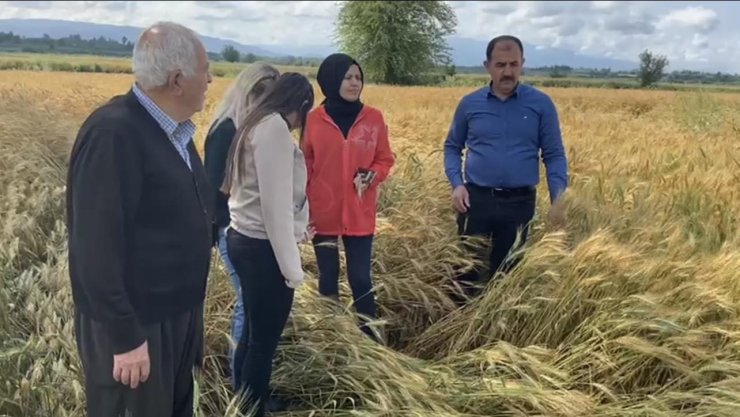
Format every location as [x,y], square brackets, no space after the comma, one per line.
[268,196]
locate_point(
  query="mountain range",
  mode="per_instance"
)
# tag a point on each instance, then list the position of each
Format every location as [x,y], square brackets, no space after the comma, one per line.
[464,51]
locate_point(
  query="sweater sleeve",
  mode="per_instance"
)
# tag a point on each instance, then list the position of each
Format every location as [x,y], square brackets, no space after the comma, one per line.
[106,186]
[273,155]
[217,147]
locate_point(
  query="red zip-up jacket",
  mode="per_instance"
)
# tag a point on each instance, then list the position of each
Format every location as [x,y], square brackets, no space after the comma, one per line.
[332,162]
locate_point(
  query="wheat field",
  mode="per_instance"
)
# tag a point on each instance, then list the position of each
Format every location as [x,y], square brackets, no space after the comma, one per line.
[632,310]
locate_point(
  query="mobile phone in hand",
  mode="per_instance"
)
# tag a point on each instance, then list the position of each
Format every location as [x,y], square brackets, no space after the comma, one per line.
[363,179]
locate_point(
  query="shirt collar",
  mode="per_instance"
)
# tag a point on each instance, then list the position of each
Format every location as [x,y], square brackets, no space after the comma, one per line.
[168,124]
[515,94]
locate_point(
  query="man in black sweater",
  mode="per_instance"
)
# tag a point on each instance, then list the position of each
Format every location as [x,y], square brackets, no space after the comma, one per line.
[141,229]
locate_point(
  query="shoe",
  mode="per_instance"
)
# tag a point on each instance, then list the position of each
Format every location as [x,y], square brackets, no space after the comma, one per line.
[275,404]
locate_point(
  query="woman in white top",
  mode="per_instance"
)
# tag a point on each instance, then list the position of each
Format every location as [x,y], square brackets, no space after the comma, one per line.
[266,183]
[248,86]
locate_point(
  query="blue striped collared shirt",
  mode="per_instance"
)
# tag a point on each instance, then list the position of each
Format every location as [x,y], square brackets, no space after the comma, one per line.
[180,134]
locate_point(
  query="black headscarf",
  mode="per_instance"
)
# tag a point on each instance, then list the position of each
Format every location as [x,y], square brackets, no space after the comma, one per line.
[330,76]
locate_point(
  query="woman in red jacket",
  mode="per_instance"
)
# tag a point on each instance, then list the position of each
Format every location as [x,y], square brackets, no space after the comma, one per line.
[347,157]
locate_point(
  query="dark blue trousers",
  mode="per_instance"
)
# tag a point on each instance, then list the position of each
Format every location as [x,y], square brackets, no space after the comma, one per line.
[268,303]
[358,251]
[499,216]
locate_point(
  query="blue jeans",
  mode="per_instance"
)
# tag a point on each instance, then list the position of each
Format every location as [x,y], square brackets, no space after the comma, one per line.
[238,323]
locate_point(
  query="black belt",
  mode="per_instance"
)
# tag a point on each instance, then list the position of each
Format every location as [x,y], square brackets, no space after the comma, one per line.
[503,191]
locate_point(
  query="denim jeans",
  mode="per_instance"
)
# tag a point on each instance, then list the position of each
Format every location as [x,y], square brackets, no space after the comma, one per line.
[268,302]
[237,323]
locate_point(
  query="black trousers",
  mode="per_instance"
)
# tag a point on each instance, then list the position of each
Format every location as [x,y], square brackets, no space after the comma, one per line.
[497,215]
[359,272]
[175,347]
[268,302]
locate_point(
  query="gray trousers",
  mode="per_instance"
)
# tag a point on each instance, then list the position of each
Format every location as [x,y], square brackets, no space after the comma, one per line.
[175,347]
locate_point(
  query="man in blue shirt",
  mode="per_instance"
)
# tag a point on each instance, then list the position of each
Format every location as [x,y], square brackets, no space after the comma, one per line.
[506,127]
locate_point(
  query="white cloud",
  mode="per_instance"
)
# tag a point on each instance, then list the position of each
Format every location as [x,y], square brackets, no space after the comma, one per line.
[250,22]
[696,18]
[603,5]
[686,33]
[691,34]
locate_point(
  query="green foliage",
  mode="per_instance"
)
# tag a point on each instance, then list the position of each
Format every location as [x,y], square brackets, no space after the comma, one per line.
[397,42]
[250,58]
[651,68]
[559,71]
[699,77]
[73,44]
[230,54]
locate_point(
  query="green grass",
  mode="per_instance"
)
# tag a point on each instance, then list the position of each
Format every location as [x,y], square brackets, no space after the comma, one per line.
[583,82]
[106,64]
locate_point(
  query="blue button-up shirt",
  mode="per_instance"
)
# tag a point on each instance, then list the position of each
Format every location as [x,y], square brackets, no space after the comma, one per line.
[180,134]
[504,139]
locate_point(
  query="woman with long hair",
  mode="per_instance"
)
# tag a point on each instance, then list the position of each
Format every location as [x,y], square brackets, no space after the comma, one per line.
[266,182]
[248,86]
[348,156]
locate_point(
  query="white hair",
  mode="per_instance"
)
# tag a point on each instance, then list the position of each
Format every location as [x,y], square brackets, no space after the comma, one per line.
[162,48]
[243,92]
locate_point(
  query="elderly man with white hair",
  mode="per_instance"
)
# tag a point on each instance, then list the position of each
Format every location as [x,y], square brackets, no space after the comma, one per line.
[140,219]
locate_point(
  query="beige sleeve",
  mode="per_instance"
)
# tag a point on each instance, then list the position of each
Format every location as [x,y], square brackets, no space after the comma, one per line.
[273,156]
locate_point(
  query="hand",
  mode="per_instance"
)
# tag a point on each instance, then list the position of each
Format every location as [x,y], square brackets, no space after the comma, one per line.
[556,216]
[461,199]
[309,234]
[132,368]
[363,180]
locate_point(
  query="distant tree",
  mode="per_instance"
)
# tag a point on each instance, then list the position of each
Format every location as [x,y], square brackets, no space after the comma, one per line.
[230,54]
[559,71]
[652,68]
[398,42]
[249,58]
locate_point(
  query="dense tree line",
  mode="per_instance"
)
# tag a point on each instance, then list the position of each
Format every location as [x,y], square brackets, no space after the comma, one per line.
[230,54]
[74,44]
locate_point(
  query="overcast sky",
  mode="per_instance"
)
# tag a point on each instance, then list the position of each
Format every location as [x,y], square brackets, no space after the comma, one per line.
[701,35]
